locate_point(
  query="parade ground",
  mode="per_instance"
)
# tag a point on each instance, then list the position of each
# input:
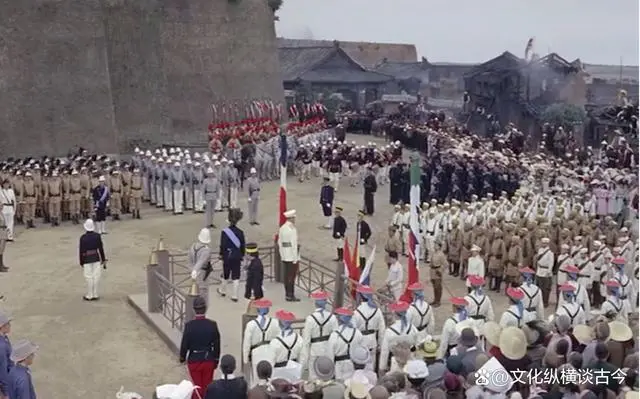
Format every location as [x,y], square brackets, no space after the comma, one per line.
[91,349]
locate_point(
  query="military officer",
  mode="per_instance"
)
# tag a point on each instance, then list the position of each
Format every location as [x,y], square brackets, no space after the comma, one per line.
[315,335]
[533,295]
[75,196]
[289,253]
[53,192]
[364,234]
[339,232]
[326,200]
[420,313]
[479,308]
[401,330]
[232,251]
[340,342]
[135,197]
[253,191]
[544,269]
[211,190]
[101,196]
[449,336]
[287,345]
[258,334]
[115,188]
[370,321]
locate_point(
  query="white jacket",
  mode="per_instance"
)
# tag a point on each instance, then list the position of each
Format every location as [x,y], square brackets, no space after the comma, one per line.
[512,318]
[285,348]
[288,243]
[617,305]
[564,260]
[393,335]
[475,267]
[479,308]
[370,321]
[585,275]
[449,335]
[315,336]
[574,311]
[420,314]
[533,300]
[544,262]
[581,297]
[597,261]
[340,343]
[256,342]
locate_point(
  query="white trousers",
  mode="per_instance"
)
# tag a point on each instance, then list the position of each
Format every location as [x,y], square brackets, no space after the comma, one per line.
[335,179]
[198,201]
[233,194]
[101,227]
[188,197]
[159,196]
[8,213]
[92,272]
[167,200]
[224,196]
[177,200]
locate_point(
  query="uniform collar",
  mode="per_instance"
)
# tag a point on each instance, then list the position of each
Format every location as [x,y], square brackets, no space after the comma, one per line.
[201,316]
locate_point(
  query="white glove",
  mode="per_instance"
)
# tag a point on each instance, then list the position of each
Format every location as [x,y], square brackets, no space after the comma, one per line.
[329,205]
[194,274]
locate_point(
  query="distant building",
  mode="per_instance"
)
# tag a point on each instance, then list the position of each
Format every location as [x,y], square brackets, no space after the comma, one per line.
[323,69]
[605,81]
[367,54]
[440,83]
[514,90]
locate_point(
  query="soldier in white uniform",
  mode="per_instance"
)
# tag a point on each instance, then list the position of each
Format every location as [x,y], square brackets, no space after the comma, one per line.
[258,334]
[449,336]
[177,188]
[627,250]
[479,308]
[627,290]
[315,335]
[340,342]
[400,331]
[430,232]
[533,299]
[368,318]
[288,344]
[613,307]
[597,261]
[515,316]
[234,184]
[580,295]
[289,253]
[475,266]
[253,198]
[544,270]
[583,263]
[564,260]
[211,192]
[395,277]
[570,307]
[420,313]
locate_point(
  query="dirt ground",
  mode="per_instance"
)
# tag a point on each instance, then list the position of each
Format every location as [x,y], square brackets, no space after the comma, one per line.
[91,349]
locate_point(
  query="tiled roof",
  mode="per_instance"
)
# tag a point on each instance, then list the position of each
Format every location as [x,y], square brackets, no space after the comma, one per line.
[366,53]
[294,62]
[405,70]
[345,76]
[612,72]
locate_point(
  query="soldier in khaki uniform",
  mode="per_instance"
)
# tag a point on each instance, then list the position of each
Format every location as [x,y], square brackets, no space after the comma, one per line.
[3,241]
[454,247]
[393,244]
[29,198]
[66,195]
[480,239]
[115,190]
[438,263]
[528,251]
[18,187]
[514,261]
[135,198]
[497,253]
[465,252]
[53,194]
[85,193]
[41,210]
[126,188]
[75,196]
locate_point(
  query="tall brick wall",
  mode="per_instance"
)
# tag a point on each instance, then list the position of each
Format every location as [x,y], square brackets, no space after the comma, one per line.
[109,76]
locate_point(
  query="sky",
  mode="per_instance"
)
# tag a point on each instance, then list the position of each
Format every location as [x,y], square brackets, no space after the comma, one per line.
[596,31]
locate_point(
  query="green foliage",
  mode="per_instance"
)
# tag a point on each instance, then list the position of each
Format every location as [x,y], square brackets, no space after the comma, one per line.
[565,115]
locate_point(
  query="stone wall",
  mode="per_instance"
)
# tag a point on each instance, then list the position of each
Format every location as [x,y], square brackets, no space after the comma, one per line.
[109,76]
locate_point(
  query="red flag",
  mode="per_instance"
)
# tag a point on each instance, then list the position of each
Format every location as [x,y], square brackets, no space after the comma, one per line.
[351,270]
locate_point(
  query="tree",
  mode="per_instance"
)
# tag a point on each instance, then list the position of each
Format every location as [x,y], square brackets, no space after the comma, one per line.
[565,115]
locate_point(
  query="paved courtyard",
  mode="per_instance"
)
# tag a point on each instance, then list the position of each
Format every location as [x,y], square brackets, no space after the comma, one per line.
[91,349]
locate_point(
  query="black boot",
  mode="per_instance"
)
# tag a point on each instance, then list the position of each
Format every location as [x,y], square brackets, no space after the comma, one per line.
[456,269]
[3,268]
[498,284]
[339,251]
[56,221]
[138,214]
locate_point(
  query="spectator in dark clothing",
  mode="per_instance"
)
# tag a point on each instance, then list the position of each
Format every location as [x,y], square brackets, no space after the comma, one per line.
[229,386]
[264,371]
[92,259]
[604,368]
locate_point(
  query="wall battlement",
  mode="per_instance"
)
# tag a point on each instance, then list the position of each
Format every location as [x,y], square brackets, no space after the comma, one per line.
[108,75]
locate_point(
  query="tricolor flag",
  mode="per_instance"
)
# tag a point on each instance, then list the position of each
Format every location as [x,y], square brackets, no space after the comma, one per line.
[529,49]
[283,175]
[351,271]
[356,248]
[414,225]
[365,277]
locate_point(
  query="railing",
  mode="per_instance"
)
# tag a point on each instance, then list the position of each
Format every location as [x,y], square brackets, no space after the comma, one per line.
[166,298]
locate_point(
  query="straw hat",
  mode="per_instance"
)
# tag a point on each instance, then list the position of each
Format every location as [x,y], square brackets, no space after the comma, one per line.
[619,331]
[491,332]
[427,350]
[357,390]
[513,343]
[583,333]
[632,395]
